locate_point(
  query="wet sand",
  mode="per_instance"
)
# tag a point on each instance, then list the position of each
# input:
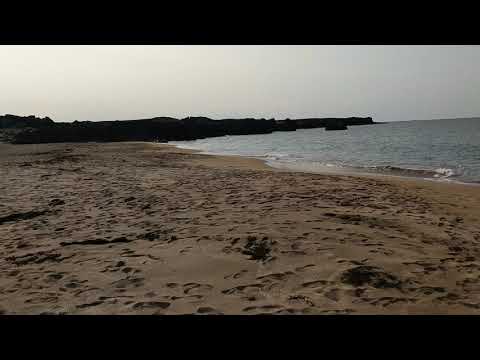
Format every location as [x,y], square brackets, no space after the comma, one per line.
[135,228]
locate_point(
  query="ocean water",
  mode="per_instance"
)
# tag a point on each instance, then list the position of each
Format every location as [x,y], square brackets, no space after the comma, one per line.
[443,150]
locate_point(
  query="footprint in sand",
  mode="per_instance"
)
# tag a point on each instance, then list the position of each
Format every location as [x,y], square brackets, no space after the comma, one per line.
[304,268]
[261,308]
[315,284]
[172,285]
[128,282]
[243,289]
[196,288]
[236,275]
[275,276]
[53,277]
[151,304]
[206,310]
[388,300]
[91,304]
[289,311]
[186,250]
[332,294]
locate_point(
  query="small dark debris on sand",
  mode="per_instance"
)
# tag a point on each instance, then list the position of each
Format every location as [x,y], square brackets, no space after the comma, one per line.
[370,275]
[258,249]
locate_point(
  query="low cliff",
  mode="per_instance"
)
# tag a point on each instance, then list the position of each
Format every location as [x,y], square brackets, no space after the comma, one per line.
[162,129]
[323,122]
[14,121]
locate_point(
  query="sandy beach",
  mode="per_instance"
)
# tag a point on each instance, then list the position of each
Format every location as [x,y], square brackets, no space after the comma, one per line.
[140,228]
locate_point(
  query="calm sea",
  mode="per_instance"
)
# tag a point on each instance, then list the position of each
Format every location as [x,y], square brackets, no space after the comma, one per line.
[443,150]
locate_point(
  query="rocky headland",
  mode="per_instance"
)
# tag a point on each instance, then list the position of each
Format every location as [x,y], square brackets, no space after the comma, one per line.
[33,130]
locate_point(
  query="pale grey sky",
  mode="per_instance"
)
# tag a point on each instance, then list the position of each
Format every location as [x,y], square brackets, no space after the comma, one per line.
[127,82]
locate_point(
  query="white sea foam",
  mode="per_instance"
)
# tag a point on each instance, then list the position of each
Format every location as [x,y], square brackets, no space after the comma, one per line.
[445,172]
[276,156]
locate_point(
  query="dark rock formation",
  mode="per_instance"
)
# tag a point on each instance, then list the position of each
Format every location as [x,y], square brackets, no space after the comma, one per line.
[323,122]
[286,125]
[335,125]
[13,121]
[32,130]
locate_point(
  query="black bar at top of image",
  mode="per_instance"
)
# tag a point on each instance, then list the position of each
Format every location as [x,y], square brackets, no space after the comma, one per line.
[240,24]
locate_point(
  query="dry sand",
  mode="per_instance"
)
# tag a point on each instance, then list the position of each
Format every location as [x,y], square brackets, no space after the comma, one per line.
[135,228]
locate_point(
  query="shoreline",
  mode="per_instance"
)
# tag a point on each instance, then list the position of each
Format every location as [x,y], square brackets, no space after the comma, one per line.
[436,190]
[330,170]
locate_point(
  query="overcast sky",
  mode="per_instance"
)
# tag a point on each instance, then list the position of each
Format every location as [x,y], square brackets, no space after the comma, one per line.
[388,83]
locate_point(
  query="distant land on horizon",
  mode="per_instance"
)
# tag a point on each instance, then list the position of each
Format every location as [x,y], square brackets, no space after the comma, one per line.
[238,117]
[34,130]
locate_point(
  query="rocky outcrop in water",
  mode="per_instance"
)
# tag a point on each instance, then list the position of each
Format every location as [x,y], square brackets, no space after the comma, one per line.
[33,130]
